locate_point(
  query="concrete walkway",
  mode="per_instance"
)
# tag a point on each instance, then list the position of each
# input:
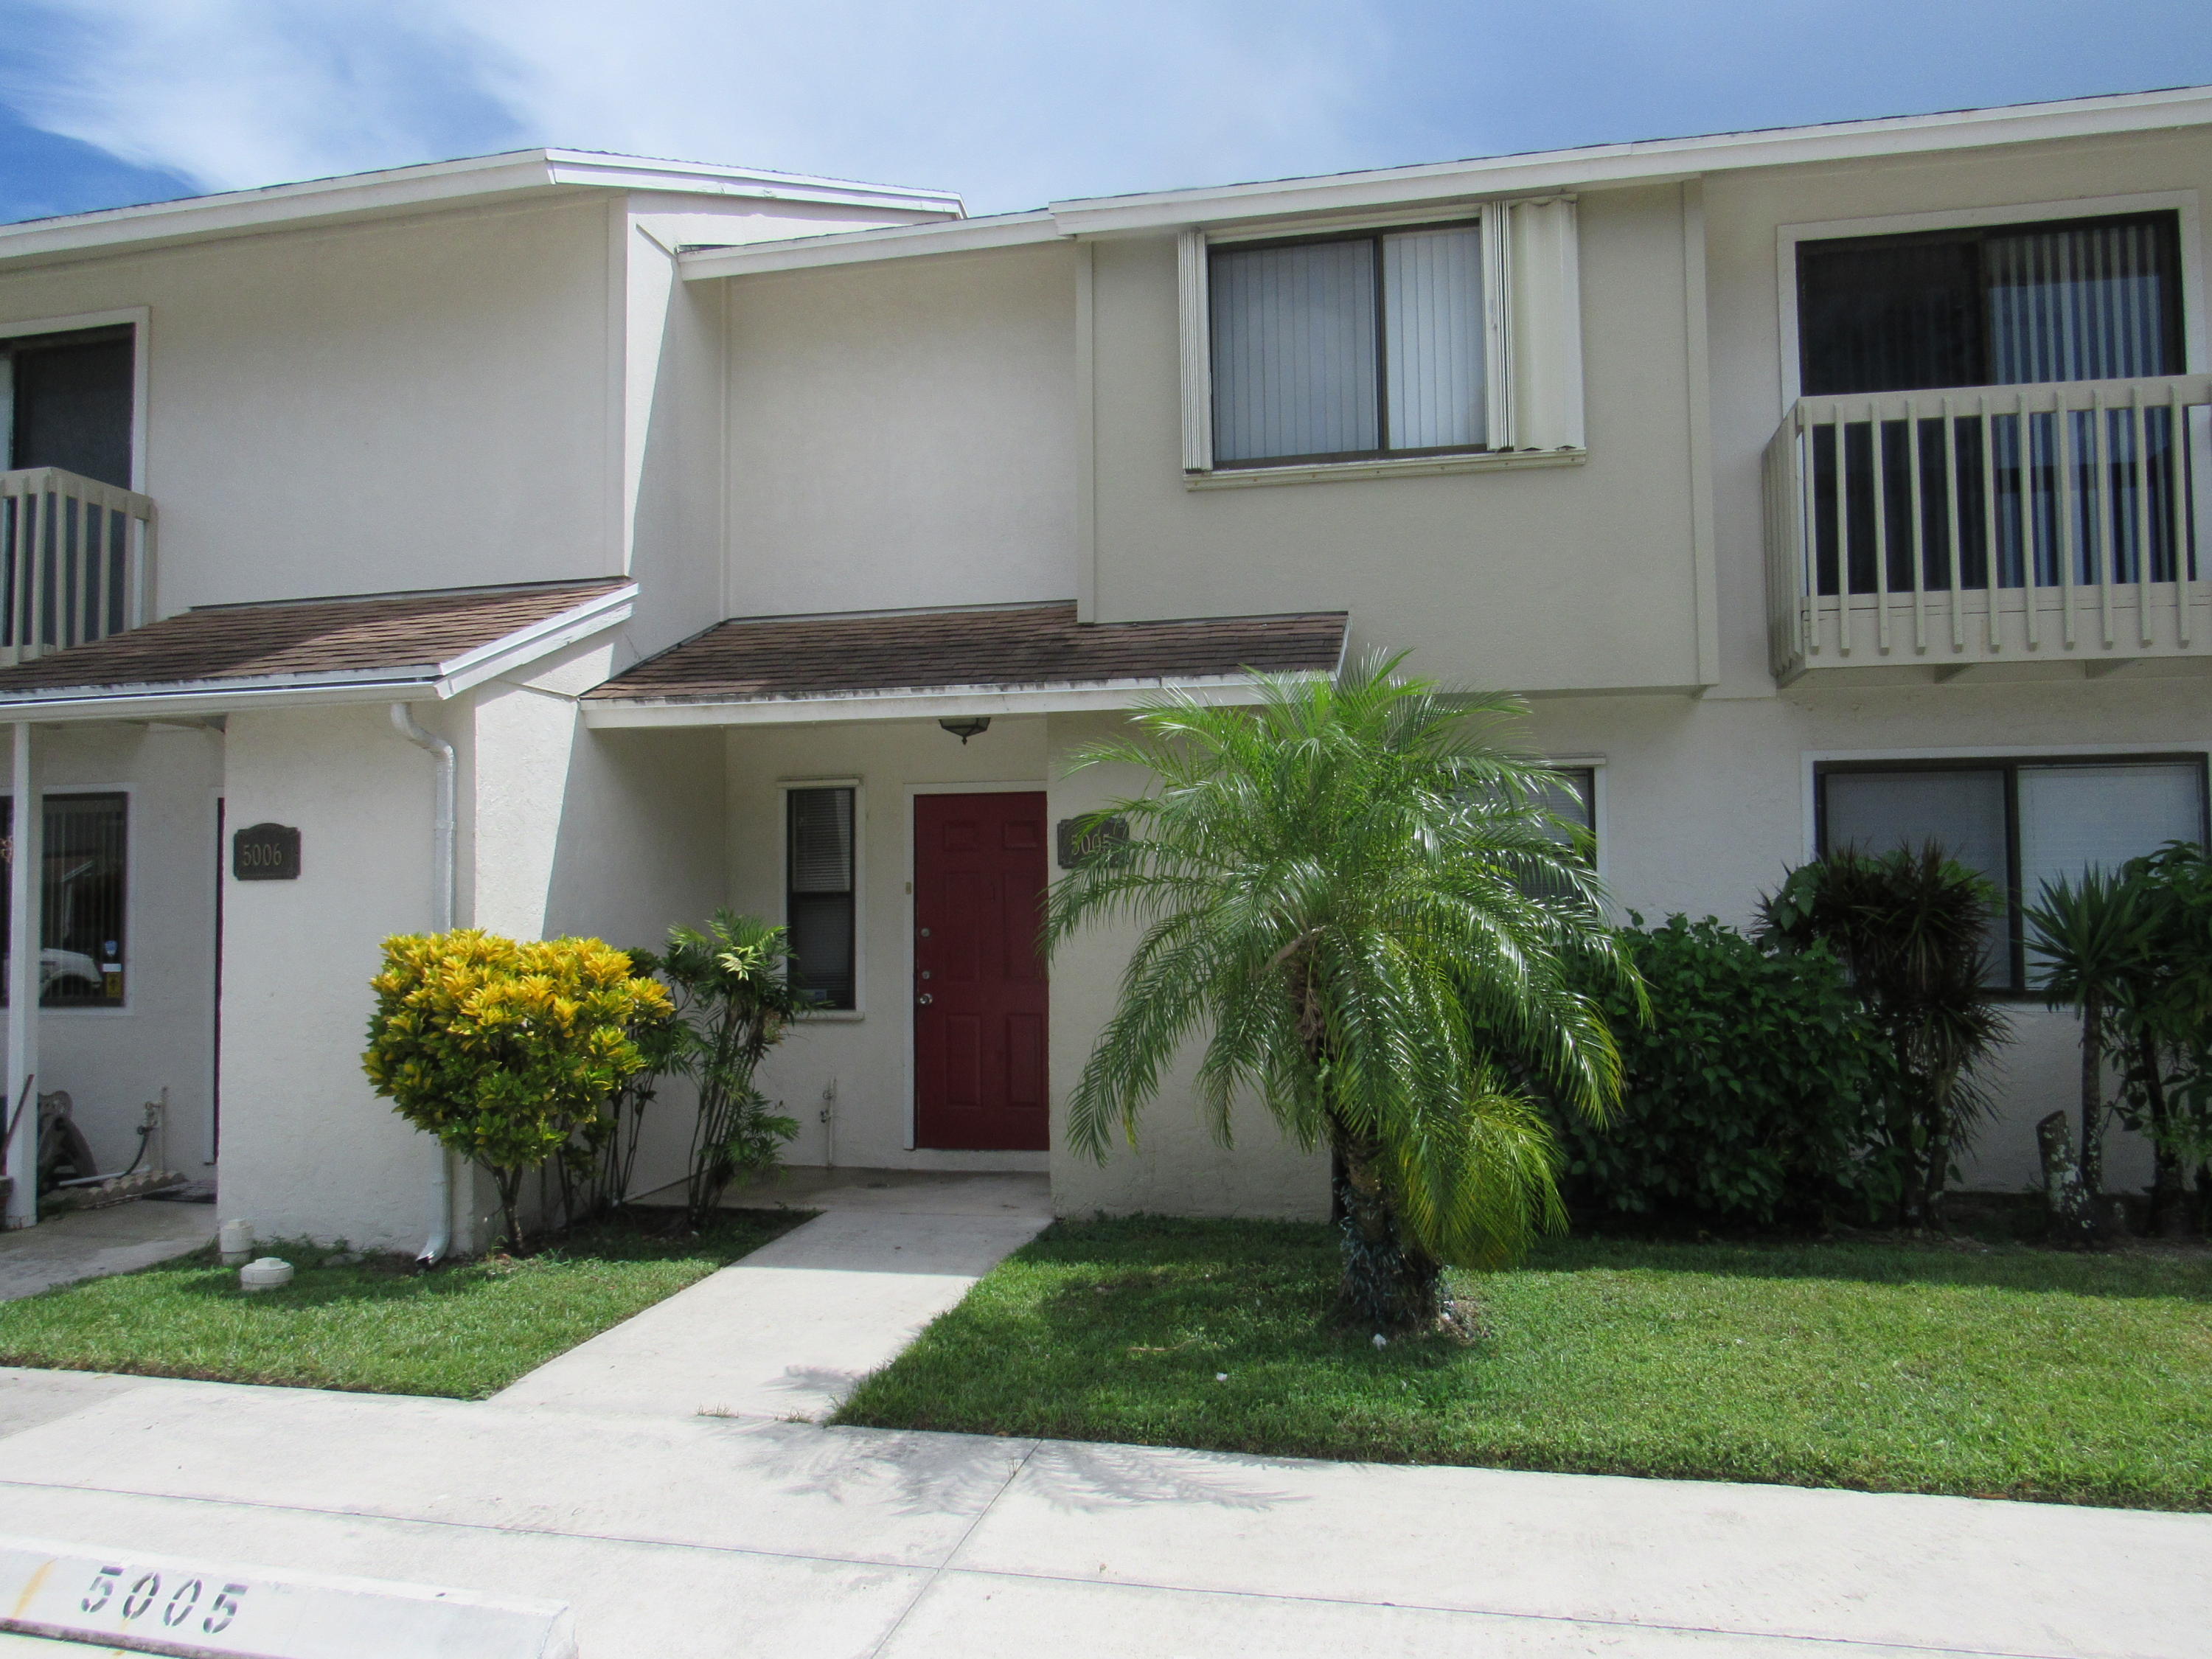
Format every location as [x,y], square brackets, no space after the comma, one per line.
[789,1331]
[93,1243]
[673,1537]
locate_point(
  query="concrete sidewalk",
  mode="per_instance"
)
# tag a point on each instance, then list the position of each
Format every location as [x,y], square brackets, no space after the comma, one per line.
[93,1243]
[789,1331]
[674,1537]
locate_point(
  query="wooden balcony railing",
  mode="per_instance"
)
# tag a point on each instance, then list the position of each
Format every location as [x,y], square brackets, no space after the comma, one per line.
[1950,529]
[77,561]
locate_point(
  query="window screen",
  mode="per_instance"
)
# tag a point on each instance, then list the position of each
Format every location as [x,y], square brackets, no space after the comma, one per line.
[69,402]
[2078,300]
[819,899]
[1574,798]
[1356,346]
[81,959]
[2019,824]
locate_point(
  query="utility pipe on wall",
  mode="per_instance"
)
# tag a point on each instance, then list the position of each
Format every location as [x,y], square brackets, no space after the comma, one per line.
[441,919]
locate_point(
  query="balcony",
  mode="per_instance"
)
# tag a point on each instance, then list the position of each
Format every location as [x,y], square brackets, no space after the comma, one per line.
[77,562]
[1964,530]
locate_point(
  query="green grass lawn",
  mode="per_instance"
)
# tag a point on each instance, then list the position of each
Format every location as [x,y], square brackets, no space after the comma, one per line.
[467,1330]
[2000,1371]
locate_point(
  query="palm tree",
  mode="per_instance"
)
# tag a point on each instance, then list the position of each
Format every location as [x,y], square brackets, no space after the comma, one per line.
[1912,927]
[1362,899]
[2093,942]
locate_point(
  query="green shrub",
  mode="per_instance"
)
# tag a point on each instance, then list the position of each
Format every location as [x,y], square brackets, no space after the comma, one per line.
[1746,1098]
[504,1048]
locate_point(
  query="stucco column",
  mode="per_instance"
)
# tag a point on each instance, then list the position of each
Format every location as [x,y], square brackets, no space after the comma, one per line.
[26,859]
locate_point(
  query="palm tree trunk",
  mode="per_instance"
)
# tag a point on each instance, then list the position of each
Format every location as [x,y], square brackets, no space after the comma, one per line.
[1390,1284]
[2093,1092]
[2167,1218]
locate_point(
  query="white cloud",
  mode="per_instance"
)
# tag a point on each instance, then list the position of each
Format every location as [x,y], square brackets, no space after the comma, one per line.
[1012,102]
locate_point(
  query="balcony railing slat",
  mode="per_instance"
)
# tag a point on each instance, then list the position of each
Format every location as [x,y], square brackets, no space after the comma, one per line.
[77,561]
[2016,502]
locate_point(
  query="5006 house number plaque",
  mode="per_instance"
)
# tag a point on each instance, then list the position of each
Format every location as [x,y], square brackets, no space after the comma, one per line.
[266,852]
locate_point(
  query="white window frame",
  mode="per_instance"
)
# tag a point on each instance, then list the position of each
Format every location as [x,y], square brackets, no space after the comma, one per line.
[2182,202]
[1506,310]
[1814,759]
[140,320]
[784,786]
[1594,765]
[131,905]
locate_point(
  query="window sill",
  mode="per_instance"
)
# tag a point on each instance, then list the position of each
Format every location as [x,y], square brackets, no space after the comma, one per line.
[832,1016]
[1410,466]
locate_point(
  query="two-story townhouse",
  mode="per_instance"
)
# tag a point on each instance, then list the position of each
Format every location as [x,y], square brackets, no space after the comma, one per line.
[1823,486]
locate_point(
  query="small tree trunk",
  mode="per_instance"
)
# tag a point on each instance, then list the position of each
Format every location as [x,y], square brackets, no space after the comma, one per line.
[2072,1221]
[509,1183]
[2167,1220]
[1390,1284]
[2093,1093]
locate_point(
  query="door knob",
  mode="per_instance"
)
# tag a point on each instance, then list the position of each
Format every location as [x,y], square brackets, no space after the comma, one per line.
[924,998]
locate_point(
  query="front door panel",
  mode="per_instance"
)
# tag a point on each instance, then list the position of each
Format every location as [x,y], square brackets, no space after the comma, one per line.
[979,979]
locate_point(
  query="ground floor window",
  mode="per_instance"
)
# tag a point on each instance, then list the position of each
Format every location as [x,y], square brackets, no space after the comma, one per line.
[81,888]
[2021,823]
[1573,797]
[819,892]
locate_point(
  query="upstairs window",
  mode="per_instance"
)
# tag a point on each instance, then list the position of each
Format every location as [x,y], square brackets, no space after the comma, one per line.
[1403,348]
[65,402]
[2007,305]
[1352,348]
[818,893]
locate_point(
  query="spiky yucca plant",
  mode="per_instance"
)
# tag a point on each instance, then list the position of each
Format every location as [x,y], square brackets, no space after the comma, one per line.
[1912,926]
[1358,893]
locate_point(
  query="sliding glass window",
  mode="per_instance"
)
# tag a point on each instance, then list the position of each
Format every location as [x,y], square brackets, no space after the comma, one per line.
[1349,348]
[2019,824]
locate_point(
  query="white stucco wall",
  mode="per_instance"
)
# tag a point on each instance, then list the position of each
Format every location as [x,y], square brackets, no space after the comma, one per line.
[904,435]
[308,1149]
[1577,576]
[112,1061]
[413,402]
[867,1055]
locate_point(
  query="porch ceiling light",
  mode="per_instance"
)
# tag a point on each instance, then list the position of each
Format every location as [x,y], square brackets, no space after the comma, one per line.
[964,727]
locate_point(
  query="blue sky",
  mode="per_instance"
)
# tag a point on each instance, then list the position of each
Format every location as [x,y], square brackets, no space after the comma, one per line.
[1012,102]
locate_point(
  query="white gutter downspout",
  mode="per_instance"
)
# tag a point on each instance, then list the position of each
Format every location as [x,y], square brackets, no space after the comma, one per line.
[441,919]
[23,987]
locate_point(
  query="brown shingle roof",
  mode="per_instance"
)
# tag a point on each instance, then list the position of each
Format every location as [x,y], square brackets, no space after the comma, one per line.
[405,636]
[1041,644]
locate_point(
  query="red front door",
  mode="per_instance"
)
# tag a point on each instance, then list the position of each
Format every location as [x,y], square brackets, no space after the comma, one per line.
[979,979]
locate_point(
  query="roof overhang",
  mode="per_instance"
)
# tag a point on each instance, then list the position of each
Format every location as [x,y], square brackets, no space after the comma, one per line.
[932,703]
[478,180]
[420,683]
[1590,167]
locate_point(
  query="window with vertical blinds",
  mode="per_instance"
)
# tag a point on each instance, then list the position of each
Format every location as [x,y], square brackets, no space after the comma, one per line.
[2019,823]
[1350,347]
[818,893]
[2008,305]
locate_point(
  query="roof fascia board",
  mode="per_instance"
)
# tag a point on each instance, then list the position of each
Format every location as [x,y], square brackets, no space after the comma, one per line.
[1644,162]
[540,640]
[632,172]
[862,247]
[1213,691]
[167,702]
[400,190]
